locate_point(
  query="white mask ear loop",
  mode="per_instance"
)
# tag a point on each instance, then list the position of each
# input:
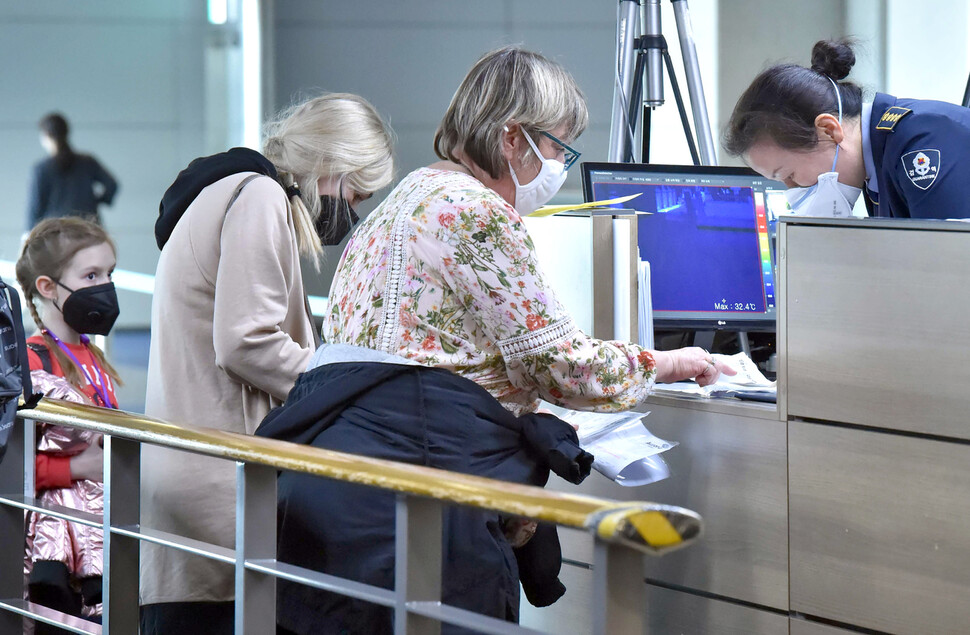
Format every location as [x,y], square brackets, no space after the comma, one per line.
[533,145]
[838,97]
[515,179]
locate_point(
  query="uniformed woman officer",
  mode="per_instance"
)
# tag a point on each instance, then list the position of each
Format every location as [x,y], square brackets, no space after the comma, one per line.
[806,127]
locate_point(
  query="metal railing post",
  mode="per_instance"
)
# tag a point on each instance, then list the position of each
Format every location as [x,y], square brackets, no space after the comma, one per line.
[619,604]
[417,563]
[255,538]
[122,495]
[12,524]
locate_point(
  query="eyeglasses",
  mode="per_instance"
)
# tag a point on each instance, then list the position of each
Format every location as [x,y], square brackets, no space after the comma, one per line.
[570,155]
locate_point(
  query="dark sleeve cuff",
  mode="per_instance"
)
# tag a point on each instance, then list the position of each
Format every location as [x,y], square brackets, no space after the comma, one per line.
[556,442]
[570,462]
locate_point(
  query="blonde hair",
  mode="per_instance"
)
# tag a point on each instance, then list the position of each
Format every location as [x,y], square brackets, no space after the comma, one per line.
[337,135]
[48,250]
[508,85]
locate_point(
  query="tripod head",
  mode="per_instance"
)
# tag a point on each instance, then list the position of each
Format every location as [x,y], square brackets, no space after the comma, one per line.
[639,80]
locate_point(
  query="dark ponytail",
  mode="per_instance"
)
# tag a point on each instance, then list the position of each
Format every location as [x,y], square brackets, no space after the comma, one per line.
[54,125]
[781,104]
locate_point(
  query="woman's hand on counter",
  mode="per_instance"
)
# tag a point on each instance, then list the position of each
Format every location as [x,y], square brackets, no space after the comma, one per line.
[690,363]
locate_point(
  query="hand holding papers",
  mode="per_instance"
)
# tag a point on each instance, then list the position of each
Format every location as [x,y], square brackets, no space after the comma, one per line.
[624,450]
[749,379]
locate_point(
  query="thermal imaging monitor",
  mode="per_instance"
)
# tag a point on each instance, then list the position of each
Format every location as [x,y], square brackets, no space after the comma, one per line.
[708,234]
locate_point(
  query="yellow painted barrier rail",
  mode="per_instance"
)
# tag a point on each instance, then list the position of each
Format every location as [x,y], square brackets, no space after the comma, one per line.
[620,530]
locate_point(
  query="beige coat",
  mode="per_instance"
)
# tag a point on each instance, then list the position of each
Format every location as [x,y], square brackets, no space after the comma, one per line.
[230,334]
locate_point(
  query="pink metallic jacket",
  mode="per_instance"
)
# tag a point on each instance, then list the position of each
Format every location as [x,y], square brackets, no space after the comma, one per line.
[77,546]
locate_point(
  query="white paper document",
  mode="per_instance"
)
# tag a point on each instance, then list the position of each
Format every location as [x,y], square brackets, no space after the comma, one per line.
[624,450]
[748,379]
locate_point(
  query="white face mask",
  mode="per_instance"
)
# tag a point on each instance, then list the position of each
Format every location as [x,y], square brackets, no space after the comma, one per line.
[828,197]
[538,191]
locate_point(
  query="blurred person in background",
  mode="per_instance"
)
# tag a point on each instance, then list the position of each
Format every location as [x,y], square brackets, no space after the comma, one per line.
[66,183]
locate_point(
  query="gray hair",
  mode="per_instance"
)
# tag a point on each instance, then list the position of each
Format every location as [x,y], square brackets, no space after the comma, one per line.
[509,85]
[337,135]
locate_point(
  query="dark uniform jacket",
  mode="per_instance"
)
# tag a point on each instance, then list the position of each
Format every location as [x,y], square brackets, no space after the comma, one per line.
[425,416]
[69,192]
[921,151]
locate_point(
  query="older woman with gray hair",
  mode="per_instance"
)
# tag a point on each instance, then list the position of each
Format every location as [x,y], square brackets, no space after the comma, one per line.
[444,273]
[231,330]
[443,276]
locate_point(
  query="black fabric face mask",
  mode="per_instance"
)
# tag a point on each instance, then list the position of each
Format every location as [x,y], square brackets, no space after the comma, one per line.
[91,310]
[336,219]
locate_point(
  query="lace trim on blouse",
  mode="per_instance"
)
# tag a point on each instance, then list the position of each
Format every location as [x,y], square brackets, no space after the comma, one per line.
[537,341]
[396,266]
[402,231]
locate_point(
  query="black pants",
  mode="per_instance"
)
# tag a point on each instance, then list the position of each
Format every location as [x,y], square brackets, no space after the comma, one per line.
[188,618]
[50,585]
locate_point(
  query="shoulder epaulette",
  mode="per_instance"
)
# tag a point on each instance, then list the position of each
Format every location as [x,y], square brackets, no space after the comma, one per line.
[891,117]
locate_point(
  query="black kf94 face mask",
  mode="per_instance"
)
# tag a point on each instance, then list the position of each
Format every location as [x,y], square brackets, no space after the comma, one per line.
[91,310]
[336,219]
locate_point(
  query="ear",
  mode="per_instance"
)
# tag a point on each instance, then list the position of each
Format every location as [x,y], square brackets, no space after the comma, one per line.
[511,140]
[827,127]
[46,287]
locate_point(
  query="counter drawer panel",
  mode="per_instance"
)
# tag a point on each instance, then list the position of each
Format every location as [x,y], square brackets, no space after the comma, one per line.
[668,612]
[880,529]
[673,613]
[876,327]
[732,470]
[804,627]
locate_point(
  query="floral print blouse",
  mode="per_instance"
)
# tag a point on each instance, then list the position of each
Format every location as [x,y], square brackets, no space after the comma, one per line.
[444,273]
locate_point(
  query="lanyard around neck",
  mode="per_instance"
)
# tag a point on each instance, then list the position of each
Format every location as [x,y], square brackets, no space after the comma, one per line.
[101,388]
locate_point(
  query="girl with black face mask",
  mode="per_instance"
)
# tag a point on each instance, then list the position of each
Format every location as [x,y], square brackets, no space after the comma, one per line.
[66,268]
[65,272]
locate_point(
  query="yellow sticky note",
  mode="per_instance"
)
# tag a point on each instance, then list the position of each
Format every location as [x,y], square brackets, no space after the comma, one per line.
[549,210]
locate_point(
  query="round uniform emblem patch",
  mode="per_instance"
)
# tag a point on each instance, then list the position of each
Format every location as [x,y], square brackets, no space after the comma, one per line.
[922,167]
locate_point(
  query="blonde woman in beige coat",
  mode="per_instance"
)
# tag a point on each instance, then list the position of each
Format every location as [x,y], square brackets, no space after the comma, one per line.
[230,327]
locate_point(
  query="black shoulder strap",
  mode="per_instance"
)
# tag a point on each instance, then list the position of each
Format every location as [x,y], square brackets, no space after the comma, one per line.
[30,400]
[239,189]
[44,354]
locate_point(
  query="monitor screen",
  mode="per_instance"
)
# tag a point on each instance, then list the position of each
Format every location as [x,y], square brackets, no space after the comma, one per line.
[708,236]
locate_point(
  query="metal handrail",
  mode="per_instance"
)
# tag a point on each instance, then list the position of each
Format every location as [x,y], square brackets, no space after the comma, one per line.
[649,527]
[422,491]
